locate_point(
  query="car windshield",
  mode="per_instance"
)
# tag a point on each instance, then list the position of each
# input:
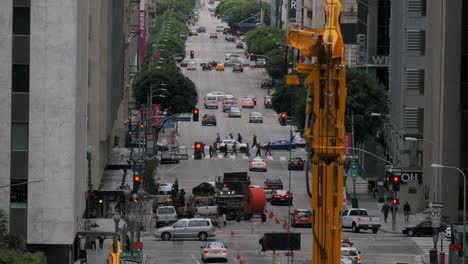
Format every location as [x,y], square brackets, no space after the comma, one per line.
[256,114]
[280,192]
[304,213]
[350,253]
[166,210]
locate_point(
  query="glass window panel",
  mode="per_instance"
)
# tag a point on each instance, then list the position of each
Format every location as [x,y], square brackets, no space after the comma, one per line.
[20,78]
[19,136]
[21,20]
[18,194]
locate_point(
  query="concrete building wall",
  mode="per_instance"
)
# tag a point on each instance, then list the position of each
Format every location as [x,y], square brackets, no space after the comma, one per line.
[442,103]
[58,92]
[6,20]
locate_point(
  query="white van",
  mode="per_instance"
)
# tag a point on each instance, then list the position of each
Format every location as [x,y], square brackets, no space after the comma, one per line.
[165,215]
[211,101]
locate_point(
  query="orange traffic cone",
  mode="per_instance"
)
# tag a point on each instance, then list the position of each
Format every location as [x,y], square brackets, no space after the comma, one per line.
[232,232]
[241,261]
[238,255]
[270,215]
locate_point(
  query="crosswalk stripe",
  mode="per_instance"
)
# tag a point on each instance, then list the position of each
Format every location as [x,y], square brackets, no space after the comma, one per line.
[245,157]
[270,158]
[282,158]
[220,156]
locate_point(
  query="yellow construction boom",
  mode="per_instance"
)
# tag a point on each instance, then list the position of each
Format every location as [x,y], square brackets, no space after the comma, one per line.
[324,128]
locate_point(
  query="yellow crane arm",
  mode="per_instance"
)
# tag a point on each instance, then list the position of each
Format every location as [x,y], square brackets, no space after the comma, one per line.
[324,128]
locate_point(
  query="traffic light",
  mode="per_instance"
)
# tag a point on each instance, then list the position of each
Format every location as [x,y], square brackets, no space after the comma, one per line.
[197,151]
[238,32]
[219,15]
[396,201]
[192,54]
[283,117]
[196,112]
[252,56]
[136,199]
[136,182]
[142,125]
[396,183]
[190,15]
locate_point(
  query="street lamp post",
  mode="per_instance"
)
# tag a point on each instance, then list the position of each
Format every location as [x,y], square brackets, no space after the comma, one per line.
[434,165]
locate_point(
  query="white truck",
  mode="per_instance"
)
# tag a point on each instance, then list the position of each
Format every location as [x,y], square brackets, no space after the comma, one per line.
[358,218]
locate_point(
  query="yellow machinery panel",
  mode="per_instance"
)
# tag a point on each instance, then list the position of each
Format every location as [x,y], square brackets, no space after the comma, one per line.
[324,129]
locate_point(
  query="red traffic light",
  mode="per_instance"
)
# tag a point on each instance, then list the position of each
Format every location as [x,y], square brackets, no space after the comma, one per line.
[190,15]
[238,32]
[136,199]
[396,179]
[219,14]
[396,201]
[192,52]
[283,115]
[142,125]
[136,178]
[252,54]
[190,31]
[195,111]
[198,146]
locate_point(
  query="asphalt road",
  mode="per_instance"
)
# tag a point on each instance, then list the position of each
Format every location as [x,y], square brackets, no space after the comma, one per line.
[375,248]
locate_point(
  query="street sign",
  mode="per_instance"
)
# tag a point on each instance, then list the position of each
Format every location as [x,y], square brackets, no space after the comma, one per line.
[183,119]
[354,169]
[436,205]
[436,213]
[177,156]
[131,255]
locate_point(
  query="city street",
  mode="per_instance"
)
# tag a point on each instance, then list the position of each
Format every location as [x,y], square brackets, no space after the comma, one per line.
[242,237]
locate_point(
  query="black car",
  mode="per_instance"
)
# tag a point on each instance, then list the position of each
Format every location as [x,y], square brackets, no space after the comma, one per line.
[201,29]
[238,68]
[423,229]
[267,83]
[209,120]
[273,184]
[296,164]
[206,66]
[230,38]
[213,63]
[281,197]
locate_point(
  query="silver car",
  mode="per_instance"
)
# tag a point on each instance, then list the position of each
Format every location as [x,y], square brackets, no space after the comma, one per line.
[165,215]
[215,251]
[234,112]
[258,164]
[201,228]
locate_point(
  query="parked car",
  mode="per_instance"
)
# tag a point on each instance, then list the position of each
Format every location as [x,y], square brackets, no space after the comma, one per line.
[282,144]
[281,197]
[184,63]
[209,120]
[234,112]
[247,103]
[201,228]
[258,164]
[215,251]
[301,217]
[256,117]
[273,184]
[165,215]
[358,218]
[296,164]
[424,228]
[183,35]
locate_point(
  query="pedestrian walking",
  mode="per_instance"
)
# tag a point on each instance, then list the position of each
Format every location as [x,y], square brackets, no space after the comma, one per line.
[218,138]
[407,210]
[234,148]
[225,149]
[215,149]
[101,242]
[93,243]
[127,243]
[259,149]
[239,137]
[203,150]
[231,136]
[267,149]
[211,151]
[247,150]
[263,248]
[385,209]
[254,141]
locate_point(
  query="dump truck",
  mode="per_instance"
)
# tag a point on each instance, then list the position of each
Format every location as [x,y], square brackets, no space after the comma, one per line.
[203,201]
[230,190]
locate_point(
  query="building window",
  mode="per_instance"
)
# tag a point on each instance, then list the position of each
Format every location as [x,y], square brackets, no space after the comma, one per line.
[414,80]
[20,78]
[413,40]
[21,20]
[412,117]
[18,194]
[19,136]
[414,5]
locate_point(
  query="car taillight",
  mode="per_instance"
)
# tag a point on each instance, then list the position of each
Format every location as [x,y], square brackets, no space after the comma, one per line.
[358,257]
[296,217]
[253,163]
[300,162]
[290,162]
[266,186]
[264,163]
[224,253]
[207,253]
[243,103]
[288,196]
[277,196]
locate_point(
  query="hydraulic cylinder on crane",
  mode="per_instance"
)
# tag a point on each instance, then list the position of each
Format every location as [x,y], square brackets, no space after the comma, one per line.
[324,128]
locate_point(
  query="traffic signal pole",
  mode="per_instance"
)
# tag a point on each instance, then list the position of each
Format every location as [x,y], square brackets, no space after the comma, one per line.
[394,212]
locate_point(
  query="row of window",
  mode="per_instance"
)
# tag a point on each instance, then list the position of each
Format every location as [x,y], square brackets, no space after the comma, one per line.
[20,84]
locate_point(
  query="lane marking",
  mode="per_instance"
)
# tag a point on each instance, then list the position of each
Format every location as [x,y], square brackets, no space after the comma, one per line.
[270,158]
[282,158]
[193,257]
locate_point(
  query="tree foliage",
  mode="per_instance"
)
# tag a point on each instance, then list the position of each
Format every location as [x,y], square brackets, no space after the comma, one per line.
[12,256]
[181,95]
[366,95]
[181,6]
[240,10]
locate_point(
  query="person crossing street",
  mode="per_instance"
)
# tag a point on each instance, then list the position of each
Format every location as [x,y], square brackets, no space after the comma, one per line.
[267,149]
[259,149]
[254,141]
[234,148]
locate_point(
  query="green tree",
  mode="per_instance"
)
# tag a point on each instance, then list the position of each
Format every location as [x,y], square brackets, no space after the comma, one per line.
[266,40]
[181,95]
[275,67]
[12,256]
[239,10]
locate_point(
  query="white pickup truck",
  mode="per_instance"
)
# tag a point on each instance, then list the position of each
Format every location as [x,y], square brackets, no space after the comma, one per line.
[357,219]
